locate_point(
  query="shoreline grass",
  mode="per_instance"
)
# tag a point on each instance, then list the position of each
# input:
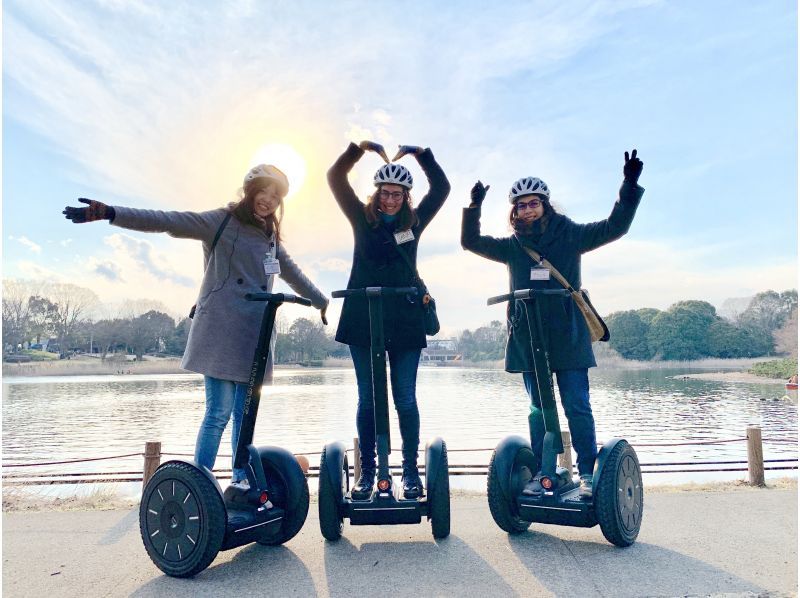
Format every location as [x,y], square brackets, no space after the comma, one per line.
[107,499]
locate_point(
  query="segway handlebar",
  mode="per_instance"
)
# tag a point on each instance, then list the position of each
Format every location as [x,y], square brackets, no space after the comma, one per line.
[278,298]
[375,291]
[526,294]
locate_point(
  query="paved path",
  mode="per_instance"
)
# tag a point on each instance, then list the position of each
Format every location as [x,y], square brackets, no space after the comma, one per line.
[692,543]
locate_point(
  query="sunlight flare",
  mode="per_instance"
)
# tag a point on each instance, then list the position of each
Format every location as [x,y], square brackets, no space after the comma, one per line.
[287,159]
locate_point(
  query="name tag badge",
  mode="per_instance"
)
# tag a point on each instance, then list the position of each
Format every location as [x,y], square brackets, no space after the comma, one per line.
[271,266]
[404,236]
[540,273]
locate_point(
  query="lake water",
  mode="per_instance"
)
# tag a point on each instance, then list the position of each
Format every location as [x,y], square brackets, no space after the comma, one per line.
[55,419]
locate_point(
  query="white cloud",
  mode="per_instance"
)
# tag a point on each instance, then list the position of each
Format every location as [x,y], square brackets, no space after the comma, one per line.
[333,264]
[146,259]
[34,247]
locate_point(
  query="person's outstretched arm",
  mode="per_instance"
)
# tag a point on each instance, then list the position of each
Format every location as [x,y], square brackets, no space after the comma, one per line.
[471,238]
[294,277]
[438,185]
[596,234]
[337,178]
[185,225]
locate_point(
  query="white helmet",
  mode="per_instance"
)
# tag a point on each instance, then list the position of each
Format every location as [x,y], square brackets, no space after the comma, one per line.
[394,174]
[267,171]
[528,186]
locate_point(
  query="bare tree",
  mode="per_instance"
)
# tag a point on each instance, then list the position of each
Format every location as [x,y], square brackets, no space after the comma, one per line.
[73,303]
[786,336]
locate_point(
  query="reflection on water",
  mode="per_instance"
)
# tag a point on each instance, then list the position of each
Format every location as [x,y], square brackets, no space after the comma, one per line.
[50,419]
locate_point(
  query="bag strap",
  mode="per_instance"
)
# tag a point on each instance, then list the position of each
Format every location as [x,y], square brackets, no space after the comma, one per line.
[543,262]
[406,259]
[219,232]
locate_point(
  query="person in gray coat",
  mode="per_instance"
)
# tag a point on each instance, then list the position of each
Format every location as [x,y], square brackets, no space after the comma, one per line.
[559,240]
[224,330]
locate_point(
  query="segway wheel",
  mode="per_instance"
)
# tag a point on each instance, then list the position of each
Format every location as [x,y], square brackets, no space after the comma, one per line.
[503,511]
[294,514]
[439,499]
[618,497]
[331,523]
[181,519]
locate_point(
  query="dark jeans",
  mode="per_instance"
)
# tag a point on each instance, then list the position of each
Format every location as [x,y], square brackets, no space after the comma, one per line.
[573,386]
[403,375]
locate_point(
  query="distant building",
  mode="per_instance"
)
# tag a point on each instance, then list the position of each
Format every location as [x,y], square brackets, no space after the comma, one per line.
[441,352]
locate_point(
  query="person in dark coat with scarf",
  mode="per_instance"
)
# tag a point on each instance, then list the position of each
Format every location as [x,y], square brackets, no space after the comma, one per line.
[556,238]
[387,225]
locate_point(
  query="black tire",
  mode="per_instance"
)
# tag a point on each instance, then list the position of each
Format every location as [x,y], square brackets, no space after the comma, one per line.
[331,523]
[618,497]
[294,515]
[181,520]
[439,499]
[503,511]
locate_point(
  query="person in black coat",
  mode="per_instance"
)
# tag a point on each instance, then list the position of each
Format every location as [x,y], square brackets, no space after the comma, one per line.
[382,228]
[556,238]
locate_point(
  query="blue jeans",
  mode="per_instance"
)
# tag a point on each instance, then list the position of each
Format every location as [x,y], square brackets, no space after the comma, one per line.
[223,397]
[403,375]
[573,386]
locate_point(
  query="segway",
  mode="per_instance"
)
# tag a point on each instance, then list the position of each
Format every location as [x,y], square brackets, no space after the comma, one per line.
[185,519]
[386,505]
[616,503]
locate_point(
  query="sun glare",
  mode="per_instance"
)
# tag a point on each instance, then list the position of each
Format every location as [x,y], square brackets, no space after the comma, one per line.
[286,158]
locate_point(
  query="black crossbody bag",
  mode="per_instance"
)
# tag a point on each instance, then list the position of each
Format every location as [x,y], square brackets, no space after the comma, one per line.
[213,245]
[428,303]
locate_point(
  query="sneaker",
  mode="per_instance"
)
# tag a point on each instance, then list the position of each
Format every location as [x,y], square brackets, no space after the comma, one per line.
[534,487]
[412,485]
[585,489]
[364,486]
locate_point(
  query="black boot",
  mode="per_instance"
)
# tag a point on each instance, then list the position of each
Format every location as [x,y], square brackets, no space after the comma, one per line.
[412,484]
[365,484]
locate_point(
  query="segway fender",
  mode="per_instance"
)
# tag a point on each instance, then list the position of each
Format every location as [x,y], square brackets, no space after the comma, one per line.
[433,461]
[605,451]
[335,453]
[505,455]
[202,469]
[288,468]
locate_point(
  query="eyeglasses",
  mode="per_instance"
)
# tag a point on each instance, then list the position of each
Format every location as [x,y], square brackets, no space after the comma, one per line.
[532,204]
[395,195]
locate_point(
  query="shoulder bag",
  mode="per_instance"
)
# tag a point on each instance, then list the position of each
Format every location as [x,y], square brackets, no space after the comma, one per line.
[213,245]
[597,328]
[428,303]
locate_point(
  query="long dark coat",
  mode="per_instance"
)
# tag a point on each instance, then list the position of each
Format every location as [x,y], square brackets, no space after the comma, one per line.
[376,261]
[562,243]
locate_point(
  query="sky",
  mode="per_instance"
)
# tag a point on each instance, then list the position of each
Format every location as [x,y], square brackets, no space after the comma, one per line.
[167,105]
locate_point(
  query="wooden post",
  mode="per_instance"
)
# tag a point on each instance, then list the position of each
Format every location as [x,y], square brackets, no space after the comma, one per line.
[152,459]
[356,460]
[755,456]
[565,458]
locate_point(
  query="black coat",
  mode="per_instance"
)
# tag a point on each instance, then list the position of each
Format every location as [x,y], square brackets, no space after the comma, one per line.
[376,261]
[562,243]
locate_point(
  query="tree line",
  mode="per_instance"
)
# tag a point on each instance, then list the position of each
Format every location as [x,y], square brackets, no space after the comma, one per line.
[68,318]
[693,330]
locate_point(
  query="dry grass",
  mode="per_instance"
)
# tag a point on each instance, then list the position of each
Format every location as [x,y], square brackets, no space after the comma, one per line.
[16,499]
[776,484]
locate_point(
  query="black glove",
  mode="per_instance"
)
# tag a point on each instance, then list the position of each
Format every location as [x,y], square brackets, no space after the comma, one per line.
[633,167]
[371,146]
[323,315]
[402,150]
[95,211]
[478,194]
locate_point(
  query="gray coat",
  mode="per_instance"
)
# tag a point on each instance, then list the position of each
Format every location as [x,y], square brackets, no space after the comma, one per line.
[224,331]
